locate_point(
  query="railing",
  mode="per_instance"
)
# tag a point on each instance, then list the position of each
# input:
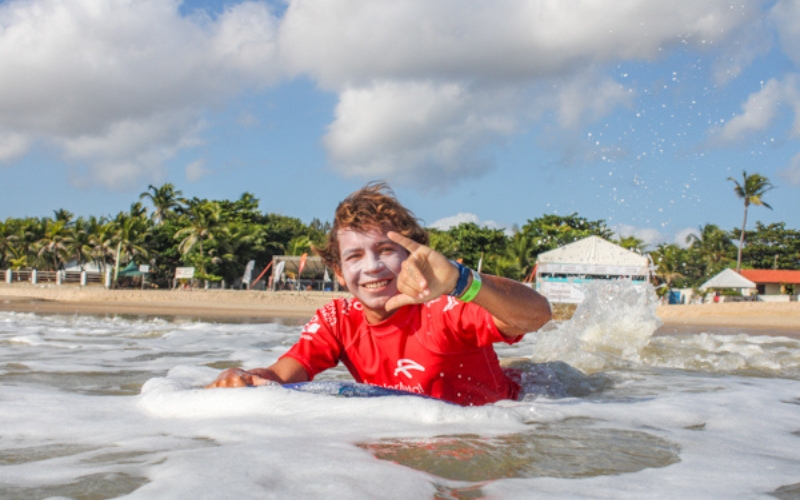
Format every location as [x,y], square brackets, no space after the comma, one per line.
[36,277]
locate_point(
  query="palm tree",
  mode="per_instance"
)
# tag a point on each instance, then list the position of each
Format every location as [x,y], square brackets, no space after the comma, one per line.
[518,252]
[129,234]
[6,241]
[63,215]
[713,247]
[751,191]
[203,224]
[631,243]
[670,263]
[77,242]
[24,242]
[299,245]
[164,200]
[53,241]
[101,240]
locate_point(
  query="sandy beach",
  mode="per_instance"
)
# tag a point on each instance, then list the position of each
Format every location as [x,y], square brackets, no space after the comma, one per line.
[248,306]
[215,305]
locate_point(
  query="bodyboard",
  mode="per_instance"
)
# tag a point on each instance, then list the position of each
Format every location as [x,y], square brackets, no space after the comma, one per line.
[347,389]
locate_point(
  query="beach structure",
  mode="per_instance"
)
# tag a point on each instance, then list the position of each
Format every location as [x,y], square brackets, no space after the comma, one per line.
[300,272]
[729,280]
[774,285]
[562,273]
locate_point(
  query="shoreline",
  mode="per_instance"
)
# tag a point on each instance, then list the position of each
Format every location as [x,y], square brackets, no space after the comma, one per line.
[238,306]
[244,306]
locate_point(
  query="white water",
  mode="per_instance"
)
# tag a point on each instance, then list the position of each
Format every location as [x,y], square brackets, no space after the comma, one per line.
[108,407]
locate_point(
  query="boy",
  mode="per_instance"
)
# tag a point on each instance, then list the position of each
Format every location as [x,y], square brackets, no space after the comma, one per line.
[416,322]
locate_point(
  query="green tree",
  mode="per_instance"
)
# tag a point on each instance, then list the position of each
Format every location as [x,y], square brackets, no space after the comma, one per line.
[751,190]
[631,243]
[78,242]
[64,216]
[203,219]
[443,242]
[773,247]
[101,240]
[520,254]
[23,250]
[710,251]
[129,236]
[552,231]
[165,200]
[53,242]
[299,245]
[7,239]
[475,244]
[669,260]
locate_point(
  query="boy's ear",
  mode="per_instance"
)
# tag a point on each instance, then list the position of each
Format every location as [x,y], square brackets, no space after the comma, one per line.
[340,278]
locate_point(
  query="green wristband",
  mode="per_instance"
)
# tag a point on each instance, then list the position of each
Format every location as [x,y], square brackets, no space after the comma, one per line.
[473,289]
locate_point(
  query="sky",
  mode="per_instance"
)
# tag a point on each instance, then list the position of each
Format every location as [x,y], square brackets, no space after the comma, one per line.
[496,112]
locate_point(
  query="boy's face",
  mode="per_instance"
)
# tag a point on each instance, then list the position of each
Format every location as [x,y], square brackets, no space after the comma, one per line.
[370,263]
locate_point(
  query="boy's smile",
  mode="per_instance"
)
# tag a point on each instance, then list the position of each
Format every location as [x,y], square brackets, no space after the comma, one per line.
[370,263]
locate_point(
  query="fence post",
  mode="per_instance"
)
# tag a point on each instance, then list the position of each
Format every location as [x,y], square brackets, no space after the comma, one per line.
[33,277]
[83,278]
[108,277]
[59,277]
[8,276]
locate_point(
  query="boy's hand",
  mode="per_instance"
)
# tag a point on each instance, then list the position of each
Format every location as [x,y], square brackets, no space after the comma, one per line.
[425,274]
[236,377]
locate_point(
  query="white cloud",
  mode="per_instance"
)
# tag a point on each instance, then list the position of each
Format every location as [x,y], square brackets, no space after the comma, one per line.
[762,107]
[197,170]
[587,98]
[786,16]
[246,120]
[425,88]
[651,237]
[758,112]
[120,86]
[352,42]
[416,132]
[683,234]
[792,173]
[454,220]
[13,146]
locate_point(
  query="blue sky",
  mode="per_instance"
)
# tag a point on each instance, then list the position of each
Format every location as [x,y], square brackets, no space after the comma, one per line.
[631,111]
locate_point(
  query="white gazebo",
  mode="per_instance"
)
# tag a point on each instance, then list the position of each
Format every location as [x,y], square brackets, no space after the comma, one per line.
[560,273]
[729,279]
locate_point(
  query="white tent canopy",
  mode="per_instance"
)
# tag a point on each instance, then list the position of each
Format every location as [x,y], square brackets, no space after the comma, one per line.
[560,273]
[728,279]
[594,255]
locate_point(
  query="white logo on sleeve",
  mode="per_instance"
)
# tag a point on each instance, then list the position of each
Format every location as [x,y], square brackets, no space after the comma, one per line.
[309,330]
[404,365]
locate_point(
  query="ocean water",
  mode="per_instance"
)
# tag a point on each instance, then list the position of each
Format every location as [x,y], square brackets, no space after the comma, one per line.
[97,407]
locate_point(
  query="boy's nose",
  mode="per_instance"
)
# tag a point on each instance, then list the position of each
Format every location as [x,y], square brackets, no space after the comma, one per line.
[374,263]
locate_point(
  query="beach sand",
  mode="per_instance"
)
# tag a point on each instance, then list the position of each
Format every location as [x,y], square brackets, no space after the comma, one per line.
[211,305]
[767,318]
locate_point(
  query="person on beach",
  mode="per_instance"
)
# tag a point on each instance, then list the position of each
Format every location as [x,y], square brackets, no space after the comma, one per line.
[416,321]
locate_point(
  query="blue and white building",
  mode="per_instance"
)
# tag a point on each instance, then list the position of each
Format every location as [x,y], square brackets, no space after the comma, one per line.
[561,273]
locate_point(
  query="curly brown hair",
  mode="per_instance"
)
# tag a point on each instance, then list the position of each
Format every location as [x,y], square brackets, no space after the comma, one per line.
[372,207]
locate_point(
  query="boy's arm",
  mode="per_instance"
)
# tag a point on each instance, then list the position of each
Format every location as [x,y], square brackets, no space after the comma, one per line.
[427,274]
[284,371]
[517,309]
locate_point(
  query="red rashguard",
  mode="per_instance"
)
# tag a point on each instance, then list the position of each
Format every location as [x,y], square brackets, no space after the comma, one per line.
[442,348]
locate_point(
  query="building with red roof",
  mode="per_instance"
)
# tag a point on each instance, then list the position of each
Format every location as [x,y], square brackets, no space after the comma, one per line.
[774,281]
